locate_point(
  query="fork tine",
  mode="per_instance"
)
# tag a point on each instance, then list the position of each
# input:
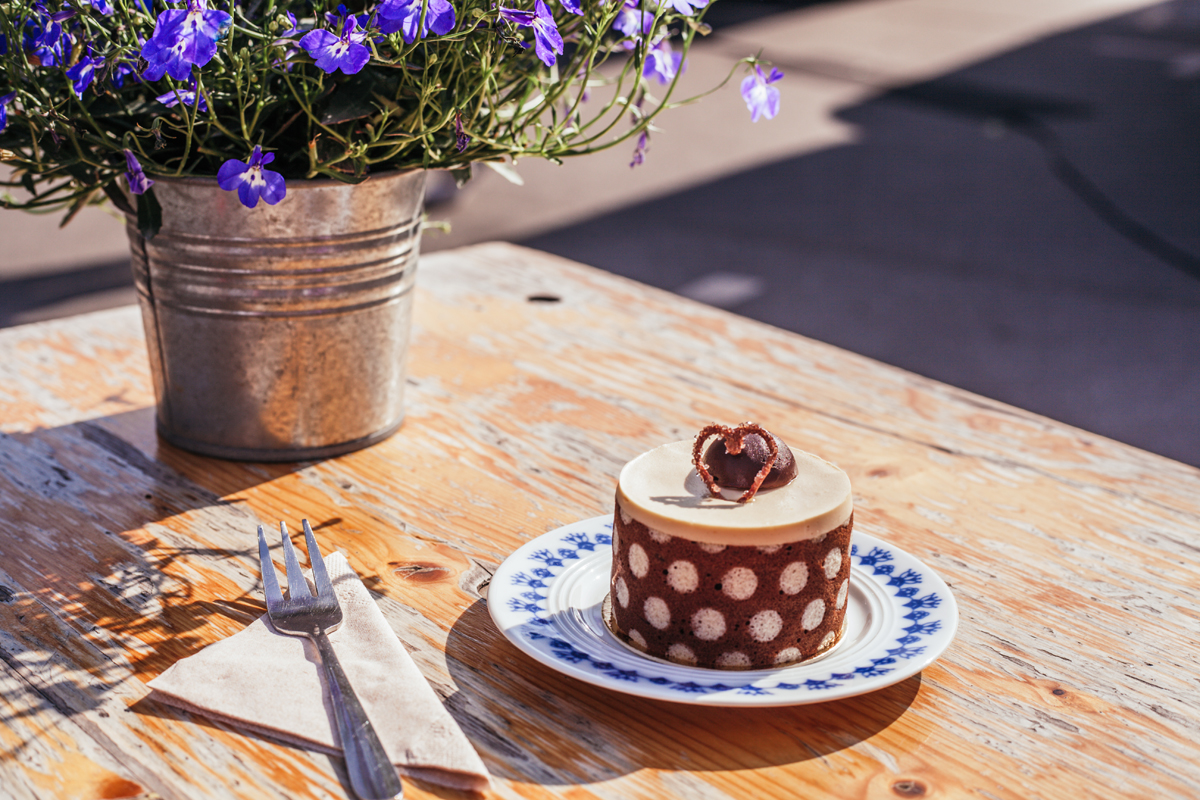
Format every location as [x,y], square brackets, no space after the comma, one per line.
[297,586]
[270,580]
[320,576]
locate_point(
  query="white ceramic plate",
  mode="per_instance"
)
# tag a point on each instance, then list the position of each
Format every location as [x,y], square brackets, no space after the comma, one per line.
[548,595]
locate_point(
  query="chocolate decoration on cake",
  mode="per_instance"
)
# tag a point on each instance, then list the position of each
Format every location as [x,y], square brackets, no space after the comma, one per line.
[738,471]
[746,457]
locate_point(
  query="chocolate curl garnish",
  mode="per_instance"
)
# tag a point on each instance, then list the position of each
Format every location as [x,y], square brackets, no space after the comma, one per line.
[734,438]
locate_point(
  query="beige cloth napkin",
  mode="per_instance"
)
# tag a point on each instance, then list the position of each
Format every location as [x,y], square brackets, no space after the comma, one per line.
[272,683]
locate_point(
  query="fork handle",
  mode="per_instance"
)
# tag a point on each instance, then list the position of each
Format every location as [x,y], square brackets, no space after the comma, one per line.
[371,771]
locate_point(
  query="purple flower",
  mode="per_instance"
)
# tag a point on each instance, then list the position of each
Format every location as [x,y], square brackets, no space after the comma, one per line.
[294,26]
[345,52]
[546,38]
[461,138]
[405,16]
[639,152]
[183,37]
[761,98]
[4,101]
[574,6]
[252,181]
[522,19]
[662,62]
[123,70]
[633,21]
[138,182]
[290,46]
[103,6]
[83,73]
[188,96]
[687,7]
[44,39]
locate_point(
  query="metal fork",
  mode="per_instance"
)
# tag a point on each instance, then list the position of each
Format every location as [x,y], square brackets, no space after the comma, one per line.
[371,772]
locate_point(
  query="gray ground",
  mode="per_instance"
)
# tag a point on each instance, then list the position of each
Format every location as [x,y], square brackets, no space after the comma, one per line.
[1024,226]
[1027,228]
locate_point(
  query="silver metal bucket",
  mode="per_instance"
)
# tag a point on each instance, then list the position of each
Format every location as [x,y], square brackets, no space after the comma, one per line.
[280,333]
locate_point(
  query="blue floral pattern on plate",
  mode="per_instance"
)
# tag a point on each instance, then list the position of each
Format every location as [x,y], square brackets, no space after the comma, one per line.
[546,598]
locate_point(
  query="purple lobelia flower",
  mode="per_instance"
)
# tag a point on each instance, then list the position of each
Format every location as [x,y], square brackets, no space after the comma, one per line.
[662,62]
[121,71]
[4,101]
[333,52]
[138,182]
[574,6]
[546,38]
[84,72]
[183,37]
[461,138]
[761,97]
[290,46]
[633,21]
[293,26]
[252,181]
[405,16]
[687,7]
[44,39]
[103,6]
[188,96]
[639,152]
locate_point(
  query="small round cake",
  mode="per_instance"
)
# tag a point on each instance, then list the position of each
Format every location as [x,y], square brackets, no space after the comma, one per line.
[734,560]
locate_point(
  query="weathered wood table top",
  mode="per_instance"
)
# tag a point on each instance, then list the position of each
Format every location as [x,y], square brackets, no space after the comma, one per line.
[1075,561]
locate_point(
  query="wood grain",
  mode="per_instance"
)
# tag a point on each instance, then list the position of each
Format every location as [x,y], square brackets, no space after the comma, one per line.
[1075,560]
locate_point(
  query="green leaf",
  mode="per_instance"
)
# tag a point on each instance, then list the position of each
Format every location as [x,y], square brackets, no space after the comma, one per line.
[149,214]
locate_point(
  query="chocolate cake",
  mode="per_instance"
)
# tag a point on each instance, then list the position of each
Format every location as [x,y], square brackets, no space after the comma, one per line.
[734,560]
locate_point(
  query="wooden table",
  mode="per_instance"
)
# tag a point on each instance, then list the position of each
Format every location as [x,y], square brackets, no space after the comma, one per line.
[1075,560]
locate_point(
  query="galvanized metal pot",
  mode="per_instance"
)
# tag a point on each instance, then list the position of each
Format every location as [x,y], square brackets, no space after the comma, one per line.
[280,333]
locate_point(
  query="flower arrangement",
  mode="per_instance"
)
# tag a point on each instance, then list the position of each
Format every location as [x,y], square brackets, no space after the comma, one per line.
[257,92]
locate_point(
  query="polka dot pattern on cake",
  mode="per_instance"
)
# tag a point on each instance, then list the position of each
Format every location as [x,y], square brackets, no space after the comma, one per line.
[729,606]
[794,578]
[814,614]
[658,613]
[739,583]
[682,576]
[639,564]
[708,624]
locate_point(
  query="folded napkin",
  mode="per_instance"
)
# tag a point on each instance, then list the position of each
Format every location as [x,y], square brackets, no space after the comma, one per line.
[272,683]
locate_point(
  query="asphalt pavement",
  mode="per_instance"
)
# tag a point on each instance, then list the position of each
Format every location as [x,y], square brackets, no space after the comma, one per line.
[1027,227]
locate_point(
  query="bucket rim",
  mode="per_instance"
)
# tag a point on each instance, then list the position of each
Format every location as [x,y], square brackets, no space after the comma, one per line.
[292,183]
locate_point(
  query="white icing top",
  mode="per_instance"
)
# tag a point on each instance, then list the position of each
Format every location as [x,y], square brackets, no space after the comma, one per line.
[662,490]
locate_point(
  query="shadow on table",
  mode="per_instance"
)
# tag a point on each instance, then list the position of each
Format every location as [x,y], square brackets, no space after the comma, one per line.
[149,706]
[522,712]
[81,544]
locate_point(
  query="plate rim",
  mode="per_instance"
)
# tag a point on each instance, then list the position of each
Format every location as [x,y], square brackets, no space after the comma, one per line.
[880,560]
